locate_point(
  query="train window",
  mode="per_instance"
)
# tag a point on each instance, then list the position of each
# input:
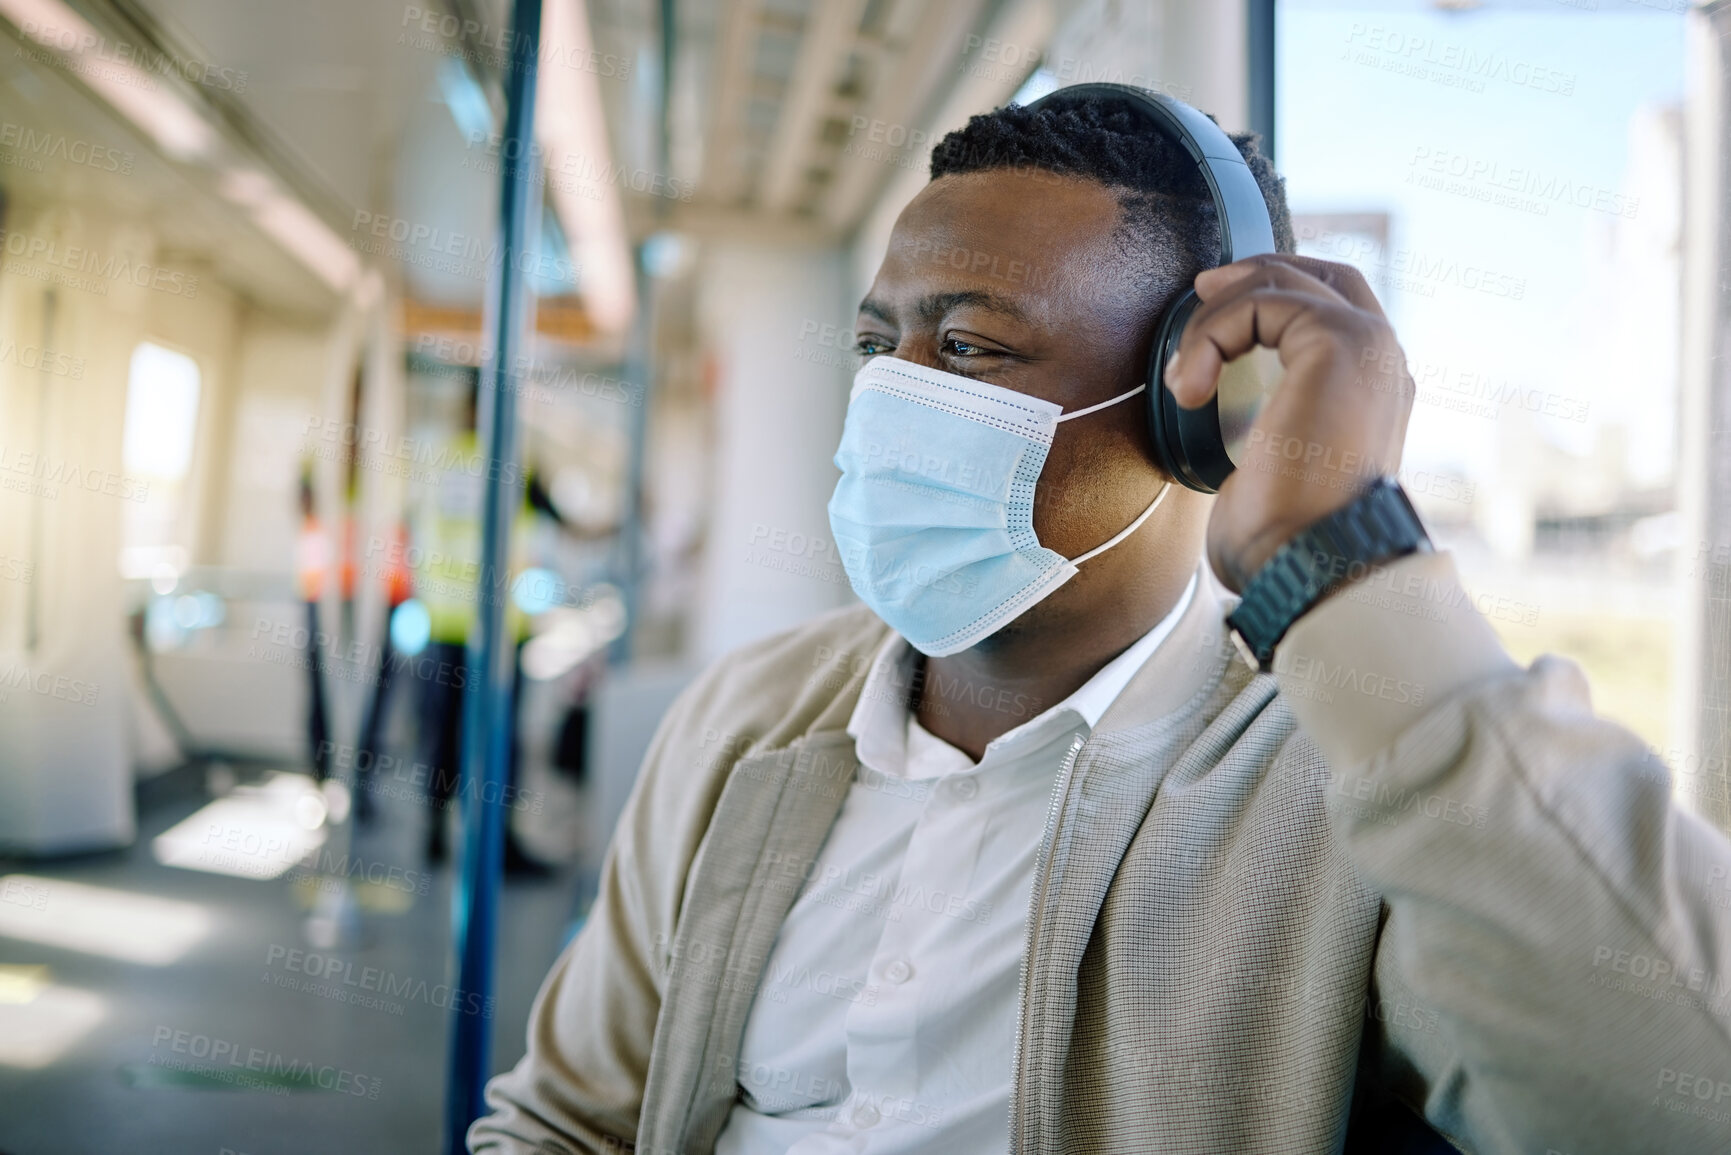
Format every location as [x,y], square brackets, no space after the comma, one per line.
[162,394]
[1510,181]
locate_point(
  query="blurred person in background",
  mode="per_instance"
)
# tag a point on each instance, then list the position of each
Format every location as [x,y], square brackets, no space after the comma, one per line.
[1019,855]
[312,565]
[447,531]
[398,582]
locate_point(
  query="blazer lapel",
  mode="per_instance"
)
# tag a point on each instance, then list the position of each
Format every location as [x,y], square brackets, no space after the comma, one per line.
[777,806]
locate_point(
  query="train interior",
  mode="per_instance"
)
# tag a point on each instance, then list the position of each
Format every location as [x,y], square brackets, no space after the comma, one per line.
[249,298]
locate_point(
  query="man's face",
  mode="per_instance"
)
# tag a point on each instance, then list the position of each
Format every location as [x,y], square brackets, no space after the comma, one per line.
[1014,278]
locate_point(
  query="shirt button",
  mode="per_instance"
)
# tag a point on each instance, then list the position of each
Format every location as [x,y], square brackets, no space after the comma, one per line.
[865,1115]
[899,971]
[965,788]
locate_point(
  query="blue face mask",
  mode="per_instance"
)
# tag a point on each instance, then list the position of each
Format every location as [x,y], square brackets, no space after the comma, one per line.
[934,512]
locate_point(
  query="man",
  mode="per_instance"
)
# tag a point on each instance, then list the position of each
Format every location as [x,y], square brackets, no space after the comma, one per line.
[1088,883]
[312,563]
[448,525]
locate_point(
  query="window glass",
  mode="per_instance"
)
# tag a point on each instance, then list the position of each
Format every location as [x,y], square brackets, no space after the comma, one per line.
[162,391]
[1509,179]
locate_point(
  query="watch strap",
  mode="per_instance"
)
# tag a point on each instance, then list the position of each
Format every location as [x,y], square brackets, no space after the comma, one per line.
[1379,525]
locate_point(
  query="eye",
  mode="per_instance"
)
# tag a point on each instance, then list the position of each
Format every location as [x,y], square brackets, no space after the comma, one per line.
[958,348]
[868,346]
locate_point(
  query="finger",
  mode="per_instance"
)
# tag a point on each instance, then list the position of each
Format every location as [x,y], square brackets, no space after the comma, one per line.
[1264,317]
[1265,271]
[1229,330]
[1341,279]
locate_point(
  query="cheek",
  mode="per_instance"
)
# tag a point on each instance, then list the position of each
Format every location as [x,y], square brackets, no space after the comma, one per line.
[1072,505]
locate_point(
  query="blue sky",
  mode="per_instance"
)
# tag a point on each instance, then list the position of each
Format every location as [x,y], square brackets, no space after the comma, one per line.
[1353,118]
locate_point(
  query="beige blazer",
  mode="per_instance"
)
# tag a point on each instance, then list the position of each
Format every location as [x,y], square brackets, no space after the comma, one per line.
[1402,869]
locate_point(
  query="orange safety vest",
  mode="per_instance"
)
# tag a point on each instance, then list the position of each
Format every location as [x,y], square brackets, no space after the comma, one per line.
[399,579]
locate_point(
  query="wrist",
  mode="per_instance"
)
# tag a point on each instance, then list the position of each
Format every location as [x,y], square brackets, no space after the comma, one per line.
[1245,562]
[1377,525]
[1241,562]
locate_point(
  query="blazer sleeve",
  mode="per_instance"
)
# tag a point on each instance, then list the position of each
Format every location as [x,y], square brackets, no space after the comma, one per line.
[579,1088]
[1554,972]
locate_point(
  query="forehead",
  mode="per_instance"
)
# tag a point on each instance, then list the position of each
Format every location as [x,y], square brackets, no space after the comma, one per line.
[1031,235]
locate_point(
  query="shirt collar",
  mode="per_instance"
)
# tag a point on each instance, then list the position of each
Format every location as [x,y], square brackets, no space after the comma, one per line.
[879,725]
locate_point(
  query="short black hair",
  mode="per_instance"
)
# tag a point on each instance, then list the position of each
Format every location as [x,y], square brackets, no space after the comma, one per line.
[1168,227]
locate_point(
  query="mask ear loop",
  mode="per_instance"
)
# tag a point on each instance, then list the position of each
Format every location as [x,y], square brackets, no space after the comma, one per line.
[1127,530]
[1146,513]
[1103,404]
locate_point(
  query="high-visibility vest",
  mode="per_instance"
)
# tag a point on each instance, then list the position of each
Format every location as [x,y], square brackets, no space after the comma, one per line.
[449,533]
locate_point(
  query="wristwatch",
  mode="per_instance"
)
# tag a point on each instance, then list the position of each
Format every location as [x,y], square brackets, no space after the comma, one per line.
[1379,525]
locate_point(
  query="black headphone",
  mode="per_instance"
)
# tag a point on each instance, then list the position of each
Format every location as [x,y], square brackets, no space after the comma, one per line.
[1190,443]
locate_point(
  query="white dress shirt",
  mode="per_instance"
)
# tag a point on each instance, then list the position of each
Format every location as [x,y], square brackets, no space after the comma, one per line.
[885,1022]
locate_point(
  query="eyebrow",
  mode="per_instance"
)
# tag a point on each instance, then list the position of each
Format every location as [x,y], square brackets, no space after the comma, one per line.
[937,304]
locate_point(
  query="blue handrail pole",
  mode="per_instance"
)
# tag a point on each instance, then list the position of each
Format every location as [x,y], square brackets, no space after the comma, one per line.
[492,656]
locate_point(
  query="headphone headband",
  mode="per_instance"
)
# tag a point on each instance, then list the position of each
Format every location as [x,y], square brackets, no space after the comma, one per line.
[1238,204]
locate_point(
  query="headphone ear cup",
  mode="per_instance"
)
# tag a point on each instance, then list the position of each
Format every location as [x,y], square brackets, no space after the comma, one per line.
[1187,442]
